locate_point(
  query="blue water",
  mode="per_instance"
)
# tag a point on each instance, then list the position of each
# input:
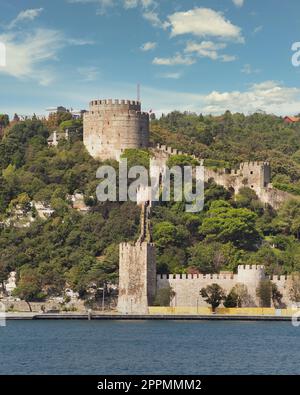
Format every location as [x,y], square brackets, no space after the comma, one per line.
[149,347]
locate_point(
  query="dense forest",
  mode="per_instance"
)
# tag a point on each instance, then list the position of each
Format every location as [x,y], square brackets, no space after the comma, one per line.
[80,249]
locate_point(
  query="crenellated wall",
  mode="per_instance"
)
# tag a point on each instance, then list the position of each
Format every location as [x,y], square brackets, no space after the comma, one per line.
[187,286]
[254,175]
[137,268]
[110,127]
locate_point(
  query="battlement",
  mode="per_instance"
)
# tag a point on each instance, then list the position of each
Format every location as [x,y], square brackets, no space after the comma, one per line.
[172,151]
[243,167]
[110,104]
[215,276]
[168,150]
[137,245]
[250,267]
[253,165]
[278,279]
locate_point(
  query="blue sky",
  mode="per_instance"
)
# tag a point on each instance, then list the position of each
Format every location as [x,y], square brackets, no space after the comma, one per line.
[198,55]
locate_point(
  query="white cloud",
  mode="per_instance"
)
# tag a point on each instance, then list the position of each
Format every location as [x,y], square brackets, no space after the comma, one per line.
[148,3]
[26,15]
[103,5]
[127,4]
[177,59]
[153,18]
[248,69]
[149,8]
[205,48]
[257,29]
[79,41]
[28,54]
[148,46]
[131,3]
[238,3]
[142,3]
[228,58]
[89,73]
[172,76]
[269,96]
[204,22]
[209,49]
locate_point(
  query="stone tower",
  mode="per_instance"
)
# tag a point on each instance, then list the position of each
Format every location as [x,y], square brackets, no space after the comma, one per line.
[256,175]
[137,278]
[110,127]
[137,271]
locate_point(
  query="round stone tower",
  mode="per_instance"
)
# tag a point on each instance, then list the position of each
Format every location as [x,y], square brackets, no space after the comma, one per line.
[110,127]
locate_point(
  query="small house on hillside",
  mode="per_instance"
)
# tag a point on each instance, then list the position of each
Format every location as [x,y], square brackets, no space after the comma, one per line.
[55,137]
[289,120]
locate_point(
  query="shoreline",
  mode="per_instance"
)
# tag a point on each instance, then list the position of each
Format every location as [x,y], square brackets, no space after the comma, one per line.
[148,317]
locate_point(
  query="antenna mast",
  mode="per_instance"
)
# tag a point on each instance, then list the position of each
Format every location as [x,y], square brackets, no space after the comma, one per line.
[138,92]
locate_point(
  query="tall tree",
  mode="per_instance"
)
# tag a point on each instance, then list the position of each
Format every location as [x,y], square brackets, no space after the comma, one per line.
[213,294]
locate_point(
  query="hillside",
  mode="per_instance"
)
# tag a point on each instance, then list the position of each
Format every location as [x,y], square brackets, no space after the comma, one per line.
[81,249]
[233,138]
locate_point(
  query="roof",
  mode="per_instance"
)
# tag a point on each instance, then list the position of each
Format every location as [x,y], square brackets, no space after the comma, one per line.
[292,119]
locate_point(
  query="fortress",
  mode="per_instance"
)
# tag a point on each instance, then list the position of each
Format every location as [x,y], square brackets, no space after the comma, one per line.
[254,175]
[110,128]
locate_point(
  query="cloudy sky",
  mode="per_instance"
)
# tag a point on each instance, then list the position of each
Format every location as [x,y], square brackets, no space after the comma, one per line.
[198,55]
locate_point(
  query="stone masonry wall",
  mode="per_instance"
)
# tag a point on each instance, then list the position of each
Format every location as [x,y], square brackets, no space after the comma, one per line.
[254,175]
[111,127]
[187,286]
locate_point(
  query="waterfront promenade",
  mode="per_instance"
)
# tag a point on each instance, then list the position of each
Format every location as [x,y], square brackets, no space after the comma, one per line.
[133,317]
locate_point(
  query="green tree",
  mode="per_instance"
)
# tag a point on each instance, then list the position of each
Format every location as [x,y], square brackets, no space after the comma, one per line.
[181,161]
[263,291]
[294,290]
[213,257]
[267,293]
[231,299]
[213,294]
[4,272]
[137,157]
[287,221]
[166,234]
[164,296]
[21,202]
[276,296]
[4,120]
[29,287]
[243,297]
[226,224]
[247,198]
